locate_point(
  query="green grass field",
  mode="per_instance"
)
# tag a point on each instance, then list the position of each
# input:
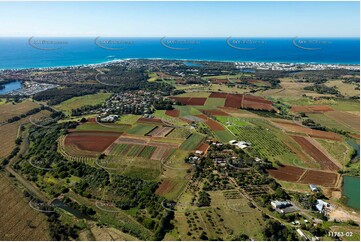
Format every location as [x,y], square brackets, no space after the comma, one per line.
[263,140]
[337,149]
[141,129]
[147,151]
[213,103]
[232,121]
[224,135]
[187,110]
[77,102]
[103,127]
[328,122]
[173,120]
[128,119]
[192,142]
[346,105]
[194,94]
[179,133]
[120,149]
[135,150]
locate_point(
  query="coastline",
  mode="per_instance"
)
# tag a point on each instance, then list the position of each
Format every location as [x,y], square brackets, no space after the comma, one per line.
[102,63]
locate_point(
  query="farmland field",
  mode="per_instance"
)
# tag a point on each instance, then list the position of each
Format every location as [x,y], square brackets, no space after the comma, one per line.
[91,141]
[318,155]
[264,141]
[92,126]
[213,103]
[304,176]
[77,102]
[181,133]
[141,129]
[219,220]
[328,122]
[18,219]
[224,135]
[11,130]
[9,110]
[296,128]
[338,150]
[192,142]
[345,118]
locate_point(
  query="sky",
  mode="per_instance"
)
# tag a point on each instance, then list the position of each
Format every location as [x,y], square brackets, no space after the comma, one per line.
[180,19]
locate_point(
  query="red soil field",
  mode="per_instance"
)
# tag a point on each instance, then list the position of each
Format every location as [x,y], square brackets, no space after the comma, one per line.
[315,153]
[300,175]
[91,120]
[172,113]
[257,99]
[326,179]
[234,101]
[311,109]
[213,125]
[202,116]
[197,101]
[203,147]
[287,173]
[247,101]
[166,186]
[257,105]
[145,140]
[218,95]
[91,141]
[215,112]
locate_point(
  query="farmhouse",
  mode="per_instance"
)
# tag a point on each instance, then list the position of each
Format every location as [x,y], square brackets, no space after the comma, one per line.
[199,152]
[321,205]
[314,188]
[239,144]
[280,204]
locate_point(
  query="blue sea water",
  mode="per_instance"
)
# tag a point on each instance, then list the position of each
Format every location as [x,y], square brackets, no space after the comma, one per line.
[17,53]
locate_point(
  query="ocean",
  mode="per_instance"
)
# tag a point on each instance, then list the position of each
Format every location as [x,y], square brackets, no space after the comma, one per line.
[40,52]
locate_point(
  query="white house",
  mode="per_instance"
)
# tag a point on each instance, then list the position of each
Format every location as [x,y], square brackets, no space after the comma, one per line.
[321,205]
[239,144]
